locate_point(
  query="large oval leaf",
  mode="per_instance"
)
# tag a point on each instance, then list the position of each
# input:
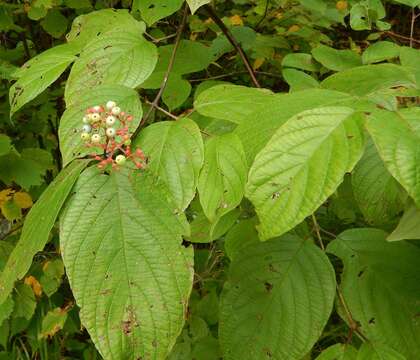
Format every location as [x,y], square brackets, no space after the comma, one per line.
[302,165]
[378,194]
[175,152]
[39,73]
[231,102]
[121,243]
[38,224]
[397,137]
[71,145]
[381,287]
[222,179]
[278,297]
[100,63]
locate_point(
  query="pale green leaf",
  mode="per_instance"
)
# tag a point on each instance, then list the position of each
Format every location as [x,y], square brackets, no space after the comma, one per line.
[231,102]
[276,301]
[338,352]
[302,165]
[175,151]
[25,302]
[378,352]
[88,27]
[196,4]
[336,60]
[223,176]
[37,226]
[258,127]
[154,10]
[380,51]
[239,236]
[5,144]
[39,73]
[397,138]
[381,288]
[377,193]
[409,226]
[300,61]
[410,58]
[100,63]
[130,275]
[53,322]
[299,80]
[71,145]
[368,79]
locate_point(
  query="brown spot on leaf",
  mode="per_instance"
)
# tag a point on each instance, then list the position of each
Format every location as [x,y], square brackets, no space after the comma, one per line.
[268,286]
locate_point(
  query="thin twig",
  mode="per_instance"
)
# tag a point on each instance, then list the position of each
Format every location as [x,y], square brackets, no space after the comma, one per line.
[234,43]
[155,102]
[390,33]
[354,327]
[11,231]
[413,20]
[267,2]
[236,73]
[167,113]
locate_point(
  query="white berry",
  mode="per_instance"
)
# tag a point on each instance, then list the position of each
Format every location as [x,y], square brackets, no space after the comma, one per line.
[110,120]
[110,104]
[96,108]
[96,138]
[120,159]
[115,110]
[85,136]
[85,119]
[110,132]
[95,117]
[87,128]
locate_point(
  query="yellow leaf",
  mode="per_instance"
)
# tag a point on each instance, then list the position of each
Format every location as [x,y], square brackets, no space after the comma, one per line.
[208,21]
[293,28]
[258,62]
[10,210]
[236,20]
[34,284]
[5,195]
[341,5]
[193,36]
[278,15]
[23,200]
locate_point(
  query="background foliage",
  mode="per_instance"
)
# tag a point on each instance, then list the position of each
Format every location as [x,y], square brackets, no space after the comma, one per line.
[278,216]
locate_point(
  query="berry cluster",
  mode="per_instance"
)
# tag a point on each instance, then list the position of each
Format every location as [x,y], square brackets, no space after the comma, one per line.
[106,127]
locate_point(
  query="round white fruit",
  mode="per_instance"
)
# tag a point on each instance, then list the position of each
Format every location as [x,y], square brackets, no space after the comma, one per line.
[120,159]
[95,117]
[110,120]
[110,104]
[115,110]
[85,136]
[87,128]
[96,138]
[110,132]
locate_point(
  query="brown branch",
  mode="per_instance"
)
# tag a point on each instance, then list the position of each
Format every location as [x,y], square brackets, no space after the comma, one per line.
[406,38]
[155,102]
[413,20]
[236,73]
[234,43]
[167,113]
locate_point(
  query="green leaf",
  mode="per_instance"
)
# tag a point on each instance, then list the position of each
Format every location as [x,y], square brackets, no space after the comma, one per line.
[25,169]
[239,236]
[196,4]
[412,3]
[37,226]
[53,322]
[300,61]
[380,51]
[276,301]
[336,60]
[409,226]
[25,302]
[299,80]
[39,73]
[6,309]
[302,165]
[377,193]
[378,352]
[175,151]
[55,24]
[231,102]
[378,278]
[154,10]
[338,352]
[130,275]
[222,179]
[368,79]
[71,145]
[258,127]
[100,64]
[410,58]
[397,138]
[52,272]
[87,27]
[5,144]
